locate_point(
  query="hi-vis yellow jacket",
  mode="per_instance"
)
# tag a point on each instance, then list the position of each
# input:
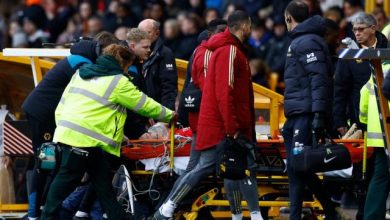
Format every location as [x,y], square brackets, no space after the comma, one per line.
[92,112]
[369,113]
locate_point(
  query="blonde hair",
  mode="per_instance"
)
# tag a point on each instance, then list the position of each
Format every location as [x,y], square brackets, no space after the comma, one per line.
[122,54]
[136,35]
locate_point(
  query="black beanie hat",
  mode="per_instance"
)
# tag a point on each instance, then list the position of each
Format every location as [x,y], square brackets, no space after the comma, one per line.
[36,14]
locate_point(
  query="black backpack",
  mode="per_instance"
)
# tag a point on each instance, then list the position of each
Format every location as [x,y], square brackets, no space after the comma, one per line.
[191,97]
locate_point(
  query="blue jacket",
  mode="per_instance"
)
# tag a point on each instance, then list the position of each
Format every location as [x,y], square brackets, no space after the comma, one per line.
[308,75]
[43,100]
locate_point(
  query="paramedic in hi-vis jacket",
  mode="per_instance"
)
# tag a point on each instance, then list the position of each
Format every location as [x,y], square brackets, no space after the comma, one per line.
[90,119]
[375,206]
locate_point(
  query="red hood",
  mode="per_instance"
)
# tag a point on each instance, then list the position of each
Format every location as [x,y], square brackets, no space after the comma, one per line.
[222,39]
[204,44]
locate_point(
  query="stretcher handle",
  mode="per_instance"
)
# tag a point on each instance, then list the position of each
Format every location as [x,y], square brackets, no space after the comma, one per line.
[172,147]
[364,166]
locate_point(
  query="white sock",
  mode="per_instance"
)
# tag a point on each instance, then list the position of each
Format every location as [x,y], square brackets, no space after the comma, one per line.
[81,214]
[105,215]
[256,215]
[168,208]
[237,216]
[32,218]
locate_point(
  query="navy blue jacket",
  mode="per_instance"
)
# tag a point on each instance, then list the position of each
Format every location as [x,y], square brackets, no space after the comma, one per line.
[135,124]
[350,77]
[43,100]
[160,75]
[386,83]
[307,75]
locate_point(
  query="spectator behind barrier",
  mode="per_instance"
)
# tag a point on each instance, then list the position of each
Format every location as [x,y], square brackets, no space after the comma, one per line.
[139,43]
[351,75]
[34,19]
[159,70]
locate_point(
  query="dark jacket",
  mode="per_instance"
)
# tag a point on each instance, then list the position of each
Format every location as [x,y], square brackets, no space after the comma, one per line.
[182,112]
[135,73]
[43,100]
[276,54]
[307,76]
[160,75]
[186,46]
[135,124]
[227,97]
[386,83]
[350,77]
[111,22]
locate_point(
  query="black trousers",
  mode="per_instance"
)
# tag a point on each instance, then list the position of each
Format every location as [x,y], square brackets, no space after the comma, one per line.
[39,181]
[90,196]
[73,167]
[41,131]
[298,129]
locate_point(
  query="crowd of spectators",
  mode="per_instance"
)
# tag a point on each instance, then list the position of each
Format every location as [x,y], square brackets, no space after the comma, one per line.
[30,23]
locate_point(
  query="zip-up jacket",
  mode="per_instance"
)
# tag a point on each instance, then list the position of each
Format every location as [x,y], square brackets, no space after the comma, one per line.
[308,75]
[160,75]
[198,73]
[227,100]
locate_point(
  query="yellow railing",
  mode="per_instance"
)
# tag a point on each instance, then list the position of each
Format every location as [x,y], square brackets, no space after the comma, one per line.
[13,207]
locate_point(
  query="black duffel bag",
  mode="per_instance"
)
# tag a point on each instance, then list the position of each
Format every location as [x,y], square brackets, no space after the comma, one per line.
[321,158]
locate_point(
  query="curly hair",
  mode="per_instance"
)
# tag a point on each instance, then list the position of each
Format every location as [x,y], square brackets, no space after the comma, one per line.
[121,53]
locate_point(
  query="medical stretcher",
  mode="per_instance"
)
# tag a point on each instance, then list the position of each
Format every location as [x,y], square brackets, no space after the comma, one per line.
[271,175]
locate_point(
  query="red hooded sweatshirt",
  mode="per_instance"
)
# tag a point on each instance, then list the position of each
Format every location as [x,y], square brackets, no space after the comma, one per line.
[227,100]
[199,67]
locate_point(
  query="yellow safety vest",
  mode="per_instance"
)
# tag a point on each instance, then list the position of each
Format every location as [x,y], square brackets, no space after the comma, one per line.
[369,113]
[92,112]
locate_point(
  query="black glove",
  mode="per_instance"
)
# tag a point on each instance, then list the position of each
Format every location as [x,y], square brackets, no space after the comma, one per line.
[318,126]
[245,142]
